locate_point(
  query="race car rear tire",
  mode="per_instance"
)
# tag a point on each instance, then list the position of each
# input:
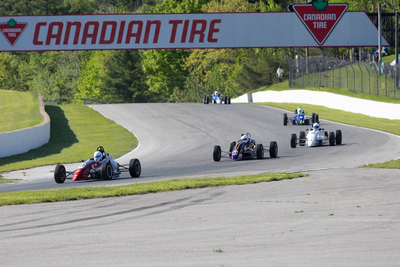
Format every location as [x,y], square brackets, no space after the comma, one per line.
[225,100]
[229,100]
[332,138]
[260,151]
[205,99]
[313,118]
[338,137]
[302,138]
[135,168]
[217,153]
[233,144]
[273,149]
[316,118]
[107,171]
[285,119]
[60,174]
[293,141]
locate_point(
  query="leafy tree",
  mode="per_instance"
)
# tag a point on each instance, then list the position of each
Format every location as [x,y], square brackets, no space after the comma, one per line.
[54,74]
[12,74]
[124,80]
[34,7]
[260,67]
[216,69]
[164,68]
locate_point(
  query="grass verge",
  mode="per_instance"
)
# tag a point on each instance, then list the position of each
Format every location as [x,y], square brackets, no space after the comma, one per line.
[28,197]
[76,131]
[385,125]
[19,110]
[4,180]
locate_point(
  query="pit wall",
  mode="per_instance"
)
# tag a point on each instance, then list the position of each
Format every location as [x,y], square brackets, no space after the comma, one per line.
[23,140]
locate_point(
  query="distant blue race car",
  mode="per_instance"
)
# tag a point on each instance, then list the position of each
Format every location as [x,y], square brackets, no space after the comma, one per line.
[300,118]
[217,98]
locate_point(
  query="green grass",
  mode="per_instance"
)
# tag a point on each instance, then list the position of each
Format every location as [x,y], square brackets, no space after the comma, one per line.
[19,110]
[27,197]
[385,125]
[76,131]
[4,180]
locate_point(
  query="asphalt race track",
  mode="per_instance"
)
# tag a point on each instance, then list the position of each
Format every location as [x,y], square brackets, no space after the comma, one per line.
[338,216]
[177,141]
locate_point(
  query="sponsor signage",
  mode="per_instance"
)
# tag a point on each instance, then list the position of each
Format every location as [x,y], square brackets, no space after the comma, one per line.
[12,30]
[320,18]
[189,31]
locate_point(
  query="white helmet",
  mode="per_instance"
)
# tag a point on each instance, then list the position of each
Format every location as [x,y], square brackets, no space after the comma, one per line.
[316,126]
[216,93]
[97,156]
[245,138]
[299,110]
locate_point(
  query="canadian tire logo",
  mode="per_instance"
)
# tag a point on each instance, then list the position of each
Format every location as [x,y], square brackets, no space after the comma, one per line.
[320,18]
[12,30]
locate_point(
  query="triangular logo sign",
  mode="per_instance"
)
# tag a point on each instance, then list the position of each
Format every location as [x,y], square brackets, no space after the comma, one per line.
[12,30]
[320,18]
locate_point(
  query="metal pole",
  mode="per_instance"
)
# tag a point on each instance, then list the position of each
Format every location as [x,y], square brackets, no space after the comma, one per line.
[379,33]
[396,42]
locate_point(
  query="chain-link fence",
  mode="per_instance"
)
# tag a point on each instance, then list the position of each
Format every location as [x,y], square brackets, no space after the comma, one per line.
[365,77]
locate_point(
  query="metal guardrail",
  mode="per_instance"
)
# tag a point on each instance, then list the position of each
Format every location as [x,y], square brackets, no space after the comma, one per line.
[365,77]
[88,101]
[50,102]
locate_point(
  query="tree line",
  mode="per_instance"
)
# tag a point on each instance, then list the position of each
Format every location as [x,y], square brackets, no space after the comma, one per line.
[128,76]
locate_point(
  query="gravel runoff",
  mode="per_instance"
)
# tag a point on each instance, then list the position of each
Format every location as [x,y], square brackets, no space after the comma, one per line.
[330,100]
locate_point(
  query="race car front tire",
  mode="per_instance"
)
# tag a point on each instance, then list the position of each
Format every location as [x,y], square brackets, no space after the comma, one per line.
[338,137]
[273,149]
[233,144]
[293,141]
[260,151]
[60,174]
[135,168]
[107,171]
[302,138]
[217,153]
[332,138]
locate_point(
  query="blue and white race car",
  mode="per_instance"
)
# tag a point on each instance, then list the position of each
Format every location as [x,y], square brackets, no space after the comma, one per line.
[300,118]
[217,98]
[245,148]
[316,136]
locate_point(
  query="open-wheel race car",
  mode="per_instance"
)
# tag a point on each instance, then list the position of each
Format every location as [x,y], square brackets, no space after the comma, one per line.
[217,98]
[316,137]
[300,118]
[101,166]
[245,148]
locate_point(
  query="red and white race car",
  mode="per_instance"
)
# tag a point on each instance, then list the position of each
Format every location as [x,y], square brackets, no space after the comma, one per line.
[101,166]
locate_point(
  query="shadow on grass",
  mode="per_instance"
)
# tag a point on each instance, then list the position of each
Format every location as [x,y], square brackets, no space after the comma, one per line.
[61,136]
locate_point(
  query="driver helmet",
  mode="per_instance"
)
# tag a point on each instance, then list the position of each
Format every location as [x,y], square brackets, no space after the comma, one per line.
[97,156]
[245,138]
[299,110]
[316,126]
[216,93]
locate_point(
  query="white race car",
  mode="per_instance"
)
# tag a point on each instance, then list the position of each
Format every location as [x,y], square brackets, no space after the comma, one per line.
[217,98]
[316,137]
